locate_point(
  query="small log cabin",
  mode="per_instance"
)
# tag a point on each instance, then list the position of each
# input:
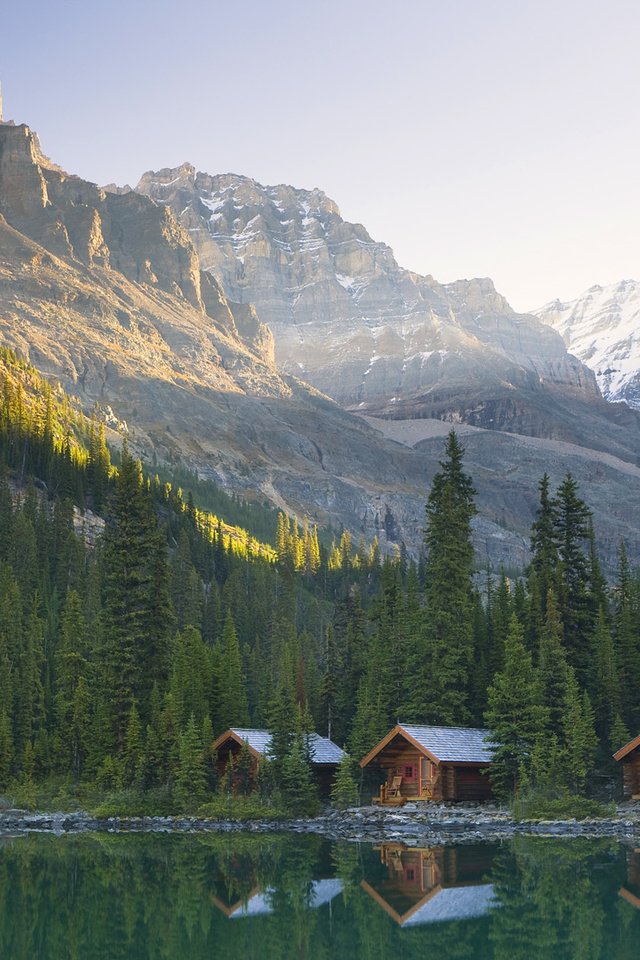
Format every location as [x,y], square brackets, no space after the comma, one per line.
[629,756]
[432,884]
[432,763]
[325,754]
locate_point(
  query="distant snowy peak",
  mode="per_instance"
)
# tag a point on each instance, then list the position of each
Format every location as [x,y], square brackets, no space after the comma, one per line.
[602,328]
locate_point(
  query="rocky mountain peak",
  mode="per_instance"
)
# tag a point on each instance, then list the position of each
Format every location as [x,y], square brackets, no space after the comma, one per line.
[346,317]
[602,328]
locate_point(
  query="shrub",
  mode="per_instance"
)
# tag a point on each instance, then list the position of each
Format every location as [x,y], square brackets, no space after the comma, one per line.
[224,807]
[536,806]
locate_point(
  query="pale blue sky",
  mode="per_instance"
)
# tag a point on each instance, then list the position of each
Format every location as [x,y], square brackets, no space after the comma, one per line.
[476,137]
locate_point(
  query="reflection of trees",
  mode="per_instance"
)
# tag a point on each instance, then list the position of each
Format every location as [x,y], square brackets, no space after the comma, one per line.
[143,896]
[153,898]
[557,900]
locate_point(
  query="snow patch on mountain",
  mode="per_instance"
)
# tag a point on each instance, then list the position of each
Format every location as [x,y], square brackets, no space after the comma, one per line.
[602,328]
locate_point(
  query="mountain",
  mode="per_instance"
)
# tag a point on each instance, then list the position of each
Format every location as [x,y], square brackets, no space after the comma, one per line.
[346,318]
[104,292]
[602,328]
[107,293]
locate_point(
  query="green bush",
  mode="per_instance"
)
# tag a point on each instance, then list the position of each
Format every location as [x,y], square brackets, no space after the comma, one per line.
[224,807]
[536,806]
[135,803]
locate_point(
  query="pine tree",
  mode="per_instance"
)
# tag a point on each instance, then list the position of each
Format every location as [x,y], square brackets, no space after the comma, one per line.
[232,707]
[448,589]
[572,576]
[190,785]
[137,612]
[30,707]
[190,678]
[552,667]
[72,667]
[515,717]
[282,712]
[627,640]
[6,750]
[299,792]
[607,699]
[579,735]
[544,545]
[344,791]
[133,749]
[209,754]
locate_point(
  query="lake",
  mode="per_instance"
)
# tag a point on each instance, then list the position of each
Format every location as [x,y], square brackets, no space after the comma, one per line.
[240,897]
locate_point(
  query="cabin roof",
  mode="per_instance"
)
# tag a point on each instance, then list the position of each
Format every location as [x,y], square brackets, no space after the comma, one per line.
[454,903]
[442,744]
[323,750]
[260,903]
[628,747]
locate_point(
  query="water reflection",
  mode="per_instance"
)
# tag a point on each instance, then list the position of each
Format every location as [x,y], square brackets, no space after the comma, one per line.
[433,884]
[260,902]
[243,897]
[631,890]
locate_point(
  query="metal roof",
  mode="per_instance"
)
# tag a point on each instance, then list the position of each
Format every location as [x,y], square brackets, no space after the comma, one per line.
[455,903]
[452,744]
[323,750]
[321,892]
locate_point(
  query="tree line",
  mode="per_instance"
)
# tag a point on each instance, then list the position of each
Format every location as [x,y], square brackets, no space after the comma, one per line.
[120,662]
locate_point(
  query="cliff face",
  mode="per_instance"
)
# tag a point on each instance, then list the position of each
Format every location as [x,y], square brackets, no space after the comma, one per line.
[350,321]
[105,290]
[124,234]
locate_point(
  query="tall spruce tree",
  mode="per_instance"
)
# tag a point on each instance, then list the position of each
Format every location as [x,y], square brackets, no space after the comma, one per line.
[544,546]
[572,576]
[448,630]
[515,716]
[137,619]
[232,707]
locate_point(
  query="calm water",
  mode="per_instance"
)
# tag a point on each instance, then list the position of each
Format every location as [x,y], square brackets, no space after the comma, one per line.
[222,898]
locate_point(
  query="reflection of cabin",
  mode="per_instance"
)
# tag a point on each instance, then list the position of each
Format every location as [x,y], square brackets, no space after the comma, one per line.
[260,902]
[325,754]
[631,891]
[432,763]
[427,885]
[630,757]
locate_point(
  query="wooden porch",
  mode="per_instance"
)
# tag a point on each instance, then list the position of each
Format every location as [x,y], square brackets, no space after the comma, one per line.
[395,793]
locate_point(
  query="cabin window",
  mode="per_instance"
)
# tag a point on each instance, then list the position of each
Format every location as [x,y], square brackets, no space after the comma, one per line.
[409,771]
[409,874]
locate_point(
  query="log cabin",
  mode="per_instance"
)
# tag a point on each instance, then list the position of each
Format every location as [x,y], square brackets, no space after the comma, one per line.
[325,754]
[422,885]
[629,756]
[432,763]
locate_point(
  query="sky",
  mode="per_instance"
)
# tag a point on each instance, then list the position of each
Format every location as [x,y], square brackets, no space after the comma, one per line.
[494,138]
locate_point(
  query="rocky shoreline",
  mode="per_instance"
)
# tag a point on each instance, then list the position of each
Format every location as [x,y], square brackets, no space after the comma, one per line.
[432,825]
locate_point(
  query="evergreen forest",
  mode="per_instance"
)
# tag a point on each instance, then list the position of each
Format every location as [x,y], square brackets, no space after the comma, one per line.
[136,625]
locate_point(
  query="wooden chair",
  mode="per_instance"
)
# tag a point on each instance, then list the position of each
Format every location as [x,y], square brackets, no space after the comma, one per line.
[394,788]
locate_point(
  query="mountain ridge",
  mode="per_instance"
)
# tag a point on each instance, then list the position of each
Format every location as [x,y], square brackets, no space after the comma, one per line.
[345,316]
[105,292]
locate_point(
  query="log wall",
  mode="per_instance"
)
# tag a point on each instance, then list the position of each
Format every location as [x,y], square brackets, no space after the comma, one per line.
[631,774]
